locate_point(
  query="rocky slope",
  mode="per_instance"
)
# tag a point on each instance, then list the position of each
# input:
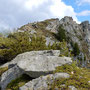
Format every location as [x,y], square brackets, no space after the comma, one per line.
[76,33]
[79,33]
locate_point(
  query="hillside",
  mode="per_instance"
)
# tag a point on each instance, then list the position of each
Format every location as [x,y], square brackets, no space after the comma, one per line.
[49,55]
[75,33]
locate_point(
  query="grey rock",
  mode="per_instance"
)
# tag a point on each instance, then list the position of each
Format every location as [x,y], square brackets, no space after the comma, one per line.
[49,41]
[53,25]
[86,32]
[72,88]
[85,24]
[78,33]
[10,75]
[20,31]
[41,65]
[33,31]
[89,82]
[72,28]
[32,53]
[43,82]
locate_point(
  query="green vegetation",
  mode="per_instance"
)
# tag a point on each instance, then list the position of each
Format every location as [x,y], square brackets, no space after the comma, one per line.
[15,84]
[62,46]
[2,70]
[20,42]
[12,45]
[79,77]
[61,34]
[17,43]
[76,50]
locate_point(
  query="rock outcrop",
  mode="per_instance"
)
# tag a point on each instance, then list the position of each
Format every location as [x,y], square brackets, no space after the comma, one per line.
[53,25]
[73,30]
[43,82]
[34,64]
[86,31]
[78,33]
[10,75]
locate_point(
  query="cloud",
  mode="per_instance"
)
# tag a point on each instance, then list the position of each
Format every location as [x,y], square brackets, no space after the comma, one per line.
[34,3]
[81,2]
[60,9]
[84,13]
[4,27]
[15,13]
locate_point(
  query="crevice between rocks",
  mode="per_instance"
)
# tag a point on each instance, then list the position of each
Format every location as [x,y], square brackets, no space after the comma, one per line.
[18,82]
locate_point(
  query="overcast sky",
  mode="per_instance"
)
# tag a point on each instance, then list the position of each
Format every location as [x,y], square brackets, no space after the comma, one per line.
[15,13]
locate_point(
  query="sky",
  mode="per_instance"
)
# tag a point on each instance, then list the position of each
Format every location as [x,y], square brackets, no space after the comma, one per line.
[15,13]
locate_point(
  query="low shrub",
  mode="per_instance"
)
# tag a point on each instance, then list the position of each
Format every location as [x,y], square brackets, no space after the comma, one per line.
[17,43]
[61,35]
[62,46]
[76,49]
[20,42]
[79,77]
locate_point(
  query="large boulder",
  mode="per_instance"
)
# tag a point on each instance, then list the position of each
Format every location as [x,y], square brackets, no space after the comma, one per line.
[43,82]
[10,75]
[36,66]
[32,53]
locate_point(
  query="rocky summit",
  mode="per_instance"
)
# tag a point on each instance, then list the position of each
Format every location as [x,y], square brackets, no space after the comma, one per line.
[77,33]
